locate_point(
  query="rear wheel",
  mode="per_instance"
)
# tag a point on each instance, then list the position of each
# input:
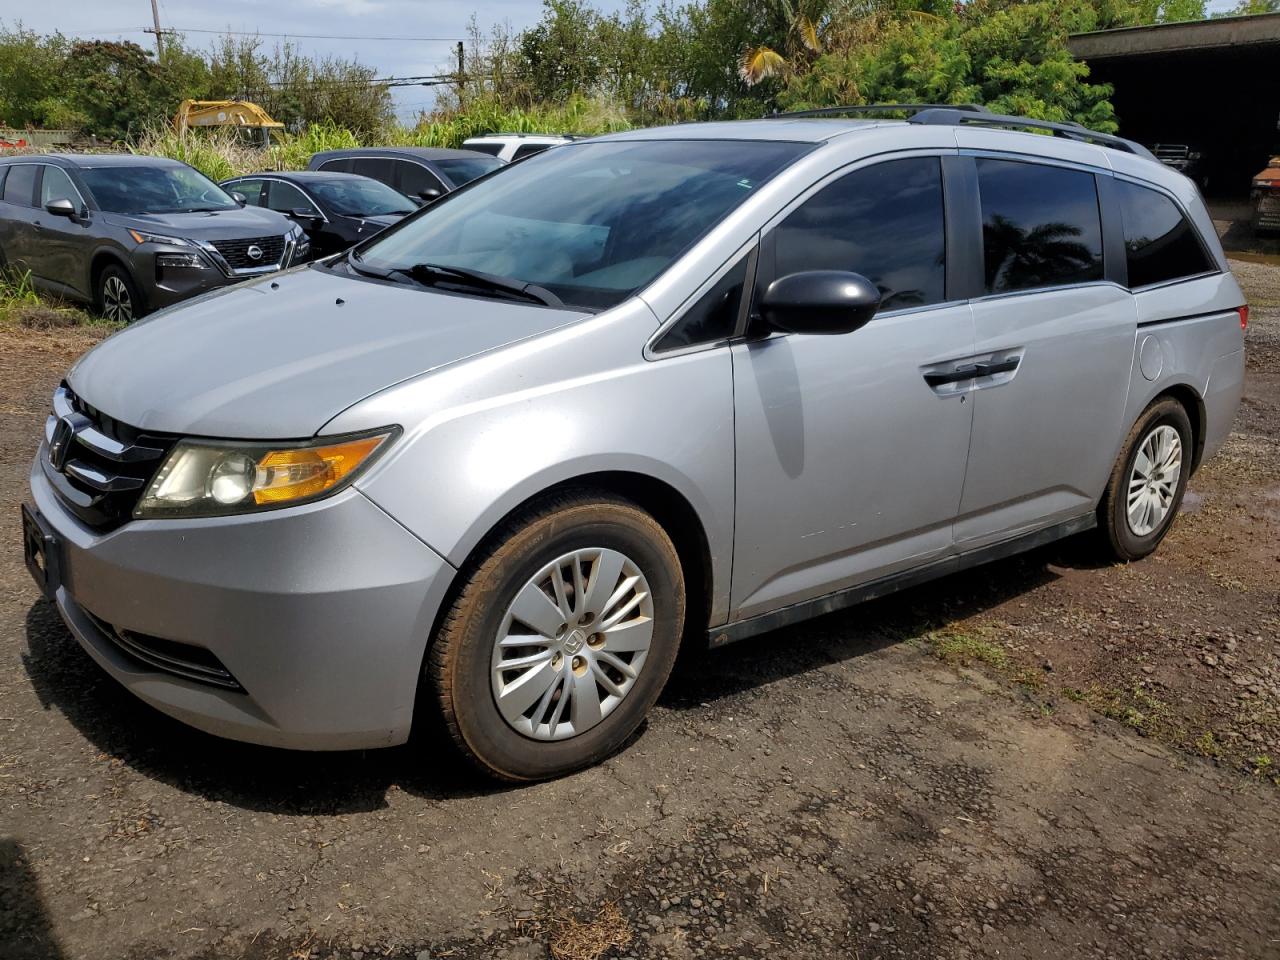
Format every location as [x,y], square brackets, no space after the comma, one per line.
[561,639]
[1148,481]
[117,296]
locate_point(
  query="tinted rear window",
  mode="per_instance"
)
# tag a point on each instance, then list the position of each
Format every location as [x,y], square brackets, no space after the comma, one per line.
[20,185]
[1159,243]
[1040,226]
[492,149]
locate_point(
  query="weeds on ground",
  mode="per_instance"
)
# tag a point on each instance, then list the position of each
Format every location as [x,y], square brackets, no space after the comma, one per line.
[21,306]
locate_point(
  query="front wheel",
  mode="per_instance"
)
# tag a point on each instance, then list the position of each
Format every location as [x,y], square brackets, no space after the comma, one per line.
[561,639]
[1148,481]
[117,295]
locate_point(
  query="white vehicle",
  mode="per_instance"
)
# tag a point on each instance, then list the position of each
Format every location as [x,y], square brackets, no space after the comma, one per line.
[515,146]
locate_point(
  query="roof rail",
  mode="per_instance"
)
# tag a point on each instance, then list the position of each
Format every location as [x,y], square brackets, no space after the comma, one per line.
[1068,130]
[912,108]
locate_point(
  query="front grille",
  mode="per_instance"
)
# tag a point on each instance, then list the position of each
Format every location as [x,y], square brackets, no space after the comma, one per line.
[168,656]
[236,252]
[98,466]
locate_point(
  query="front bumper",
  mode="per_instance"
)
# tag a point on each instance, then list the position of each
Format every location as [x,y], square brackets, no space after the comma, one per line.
[321,613]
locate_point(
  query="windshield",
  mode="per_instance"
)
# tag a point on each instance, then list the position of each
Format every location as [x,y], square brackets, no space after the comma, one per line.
[590,222]
[159,189]
[353,196]
[465,169]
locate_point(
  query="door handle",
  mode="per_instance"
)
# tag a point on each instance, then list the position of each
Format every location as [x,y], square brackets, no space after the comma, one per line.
[971,371]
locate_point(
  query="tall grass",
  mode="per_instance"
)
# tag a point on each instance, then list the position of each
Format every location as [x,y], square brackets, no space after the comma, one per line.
[16,288]
[219,155]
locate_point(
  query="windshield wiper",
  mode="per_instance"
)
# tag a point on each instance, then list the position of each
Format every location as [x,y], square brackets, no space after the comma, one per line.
[431,274]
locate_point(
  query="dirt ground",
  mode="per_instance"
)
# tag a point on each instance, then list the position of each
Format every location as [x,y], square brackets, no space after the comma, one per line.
[1040,758]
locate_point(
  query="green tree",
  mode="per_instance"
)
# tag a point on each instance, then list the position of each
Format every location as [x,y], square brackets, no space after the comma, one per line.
[33,83]
[1010,56]
[117,88]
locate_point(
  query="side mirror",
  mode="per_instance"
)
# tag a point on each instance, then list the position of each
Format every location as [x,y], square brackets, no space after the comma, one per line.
[61,208]
[431,193]
[303,215]
[239,197]
[820,301]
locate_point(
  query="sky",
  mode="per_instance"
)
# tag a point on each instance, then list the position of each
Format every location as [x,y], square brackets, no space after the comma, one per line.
[350,19]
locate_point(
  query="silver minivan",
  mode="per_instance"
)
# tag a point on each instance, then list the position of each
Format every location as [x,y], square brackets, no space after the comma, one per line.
[495,465]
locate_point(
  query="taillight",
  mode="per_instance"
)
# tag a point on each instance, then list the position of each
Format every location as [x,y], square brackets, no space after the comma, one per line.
[1244,316]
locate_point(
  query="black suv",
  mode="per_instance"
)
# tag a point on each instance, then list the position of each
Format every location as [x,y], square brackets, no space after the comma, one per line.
[336,209]
[132,234]
[422,173]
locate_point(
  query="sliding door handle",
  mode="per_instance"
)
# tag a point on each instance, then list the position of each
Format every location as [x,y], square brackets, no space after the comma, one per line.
[987,368]
[971,371]
[958,375]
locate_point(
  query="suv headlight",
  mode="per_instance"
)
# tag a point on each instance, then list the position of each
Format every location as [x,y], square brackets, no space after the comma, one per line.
[203,478]
[141,236]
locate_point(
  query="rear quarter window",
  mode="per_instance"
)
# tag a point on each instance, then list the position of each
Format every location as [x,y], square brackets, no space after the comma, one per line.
[1160,244]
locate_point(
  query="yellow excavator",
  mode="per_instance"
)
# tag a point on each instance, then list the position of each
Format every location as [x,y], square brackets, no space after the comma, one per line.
[248,120]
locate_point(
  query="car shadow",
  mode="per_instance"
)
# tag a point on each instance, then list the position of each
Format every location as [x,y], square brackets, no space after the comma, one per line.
[26,931]
[300,783]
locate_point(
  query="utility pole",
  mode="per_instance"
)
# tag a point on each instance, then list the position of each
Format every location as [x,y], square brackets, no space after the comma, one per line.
[155,19]
[461,72]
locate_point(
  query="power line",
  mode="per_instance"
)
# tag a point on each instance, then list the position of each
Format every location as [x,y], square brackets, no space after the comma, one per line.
[312,36]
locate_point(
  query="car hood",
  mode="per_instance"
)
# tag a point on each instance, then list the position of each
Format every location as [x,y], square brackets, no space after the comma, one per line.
[280,357]
[240,223]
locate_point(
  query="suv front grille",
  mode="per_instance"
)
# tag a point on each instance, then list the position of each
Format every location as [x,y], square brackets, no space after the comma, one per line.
[236,252]
[97,465]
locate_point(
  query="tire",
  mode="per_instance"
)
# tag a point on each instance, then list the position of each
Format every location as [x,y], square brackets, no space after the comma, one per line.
[1165,430]
[566,660]
[116,295]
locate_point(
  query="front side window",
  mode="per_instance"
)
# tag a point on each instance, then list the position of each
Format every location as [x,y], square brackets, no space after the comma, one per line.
[492,149]
[251,189]
[415,179]
[360,197]
[20,185]
[1040,226]
[591,222]
[134,188]
[885,222]
[56,185]
[462,170]
[1159,243]
[286,198]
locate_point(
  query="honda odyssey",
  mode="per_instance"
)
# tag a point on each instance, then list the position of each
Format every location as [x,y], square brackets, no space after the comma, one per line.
[663,387]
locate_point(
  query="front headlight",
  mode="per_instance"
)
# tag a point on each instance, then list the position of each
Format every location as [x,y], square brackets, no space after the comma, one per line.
[211,479]
[141,236]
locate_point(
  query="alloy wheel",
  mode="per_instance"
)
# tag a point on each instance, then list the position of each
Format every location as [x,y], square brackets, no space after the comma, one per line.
[1153,482]
[117,304]
[572,644]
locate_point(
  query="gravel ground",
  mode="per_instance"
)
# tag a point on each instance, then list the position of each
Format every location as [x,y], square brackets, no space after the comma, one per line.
[1040,758]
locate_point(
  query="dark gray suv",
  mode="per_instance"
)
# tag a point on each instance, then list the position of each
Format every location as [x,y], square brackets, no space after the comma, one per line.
[132,234]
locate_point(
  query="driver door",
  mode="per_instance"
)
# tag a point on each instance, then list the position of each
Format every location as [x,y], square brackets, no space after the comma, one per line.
[850,464]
